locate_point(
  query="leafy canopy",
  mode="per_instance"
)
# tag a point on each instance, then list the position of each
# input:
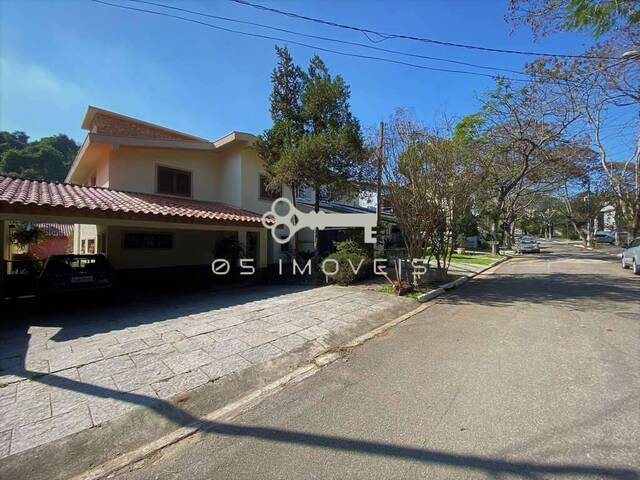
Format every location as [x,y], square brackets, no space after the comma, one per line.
[315,140]
[46,159]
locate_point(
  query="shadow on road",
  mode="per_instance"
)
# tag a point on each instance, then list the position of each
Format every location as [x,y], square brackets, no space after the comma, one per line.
[590,291]
[488,465]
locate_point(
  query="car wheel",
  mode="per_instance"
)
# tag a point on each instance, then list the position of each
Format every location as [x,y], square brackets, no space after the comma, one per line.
[624,264]
[636,267]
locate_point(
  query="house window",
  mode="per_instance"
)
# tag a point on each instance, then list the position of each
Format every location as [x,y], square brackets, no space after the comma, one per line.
[83,248]
[91,245]
[148,241]
[268,194]
[174,182]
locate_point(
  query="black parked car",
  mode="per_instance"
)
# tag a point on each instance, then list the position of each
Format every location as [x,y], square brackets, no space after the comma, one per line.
[69,273]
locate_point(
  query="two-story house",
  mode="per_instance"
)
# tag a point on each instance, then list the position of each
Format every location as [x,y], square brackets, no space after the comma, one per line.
[153,198]
[132,155]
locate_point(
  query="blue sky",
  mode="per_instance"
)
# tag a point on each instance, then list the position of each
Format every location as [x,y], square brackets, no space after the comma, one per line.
[58,57]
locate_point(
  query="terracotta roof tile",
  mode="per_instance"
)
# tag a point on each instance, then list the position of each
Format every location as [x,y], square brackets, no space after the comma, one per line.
[25,192]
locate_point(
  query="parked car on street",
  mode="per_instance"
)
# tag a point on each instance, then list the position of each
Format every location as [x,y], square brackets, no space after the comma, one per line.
[631,256]
[528,245]
[604,237]
[69,273]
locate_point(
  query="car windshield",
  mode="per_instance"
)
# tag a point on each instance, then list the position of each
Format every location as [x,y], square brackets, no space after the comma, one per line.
[74,264]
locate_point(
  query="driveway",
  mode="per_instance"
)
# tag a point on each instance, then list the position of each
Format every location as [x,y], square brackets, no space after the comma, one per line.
[532,372]
[72,366]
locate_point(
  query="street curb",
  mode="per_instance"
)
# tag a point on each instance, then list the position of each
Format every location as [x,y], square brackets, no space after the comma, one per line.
[456,283]
[239,406]
[227,411]
[615,255]
[425,297]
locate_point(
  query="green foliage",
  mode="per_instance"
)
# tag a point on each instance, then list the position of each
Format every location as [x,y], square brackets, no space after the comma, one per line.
[469,128]
[25,234]
[286,112]
[468,224]
[474,259]
[350,246]
[347,263]
[12,140]
[601,16]
[46,159]
[314,139]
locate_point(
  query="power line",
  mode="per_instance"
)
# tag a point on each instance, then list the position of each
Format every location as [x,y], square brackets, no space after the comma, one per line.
[329,39]
[322,49]
[388,36]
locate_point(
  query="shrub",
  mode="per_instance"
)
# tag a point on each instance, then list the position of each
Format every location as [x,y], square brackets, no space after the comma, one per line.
[347,262]
[349,246]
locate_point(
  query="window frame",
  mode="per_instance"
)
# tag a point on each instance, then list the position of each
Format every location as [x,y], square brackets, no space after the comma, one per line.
[174,170]
[144,247]
[266,195]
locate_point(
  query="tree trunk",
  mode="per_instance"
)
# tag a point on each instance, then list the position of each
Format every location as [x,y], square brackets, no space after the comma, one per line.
[316,232]
[293,243]
[494,235]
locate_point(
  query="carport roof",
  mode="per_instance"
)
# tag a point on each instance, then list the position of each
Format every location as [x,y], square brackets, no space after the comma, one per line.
[20,195]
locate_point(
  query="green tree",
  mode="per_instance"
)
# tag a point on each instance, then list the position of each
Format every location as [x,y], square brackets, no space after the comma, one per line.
[601,86]
[46,159]
[61,142]
[598,16]
[37,162]
[315,140]
[287,81]
[10,140]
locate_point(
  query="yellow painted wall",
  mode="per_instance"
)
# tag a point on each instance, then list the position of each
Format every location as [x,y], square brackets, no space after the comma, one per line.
[231,177]
[134,169]
[190,247]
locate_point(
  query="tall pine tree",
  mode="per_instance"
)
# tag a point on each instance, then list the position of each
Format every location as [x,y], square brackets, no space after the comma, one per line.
[315,140]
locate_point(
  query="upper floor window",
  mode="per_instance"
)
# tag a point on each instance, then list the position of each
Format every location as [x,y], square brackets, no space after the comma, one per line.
[174,182]
[266,193]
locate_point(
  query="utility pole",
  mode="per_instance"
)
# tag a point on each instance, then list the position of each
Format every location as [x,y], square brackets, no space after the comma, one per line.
[588,199]
[379,174]
[380,159]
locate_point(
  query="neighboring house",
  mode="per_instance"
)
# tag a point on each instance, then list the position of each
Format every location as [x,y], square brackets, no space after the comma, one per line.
[153,198]
[607,219]
[363,202]
[57,240]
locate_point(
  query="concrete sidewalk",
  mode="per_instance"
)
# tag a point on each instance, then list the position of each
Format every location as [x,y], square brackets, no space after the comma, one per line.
[67,372]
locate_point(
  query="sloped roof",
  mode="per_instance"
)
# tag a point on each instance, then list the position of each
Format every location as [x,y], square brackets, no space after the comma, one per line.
[55,230]
[69,199]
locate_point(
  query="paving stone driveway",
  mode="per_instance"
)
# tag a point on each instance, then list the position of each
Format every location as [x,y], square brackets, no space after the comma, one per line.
[157,349]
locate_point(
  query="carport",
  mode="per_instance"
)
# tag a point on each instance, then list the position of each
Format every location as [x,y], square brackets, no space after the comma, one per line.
[191,225]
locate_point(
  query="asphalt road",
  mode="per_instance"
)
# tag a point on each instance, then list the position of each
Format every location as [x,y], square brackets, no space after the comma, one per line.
[532,372]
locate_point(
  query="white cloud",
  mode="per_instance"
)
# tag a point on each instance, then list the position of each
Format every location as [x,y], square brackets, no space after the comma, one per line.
[35,100]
